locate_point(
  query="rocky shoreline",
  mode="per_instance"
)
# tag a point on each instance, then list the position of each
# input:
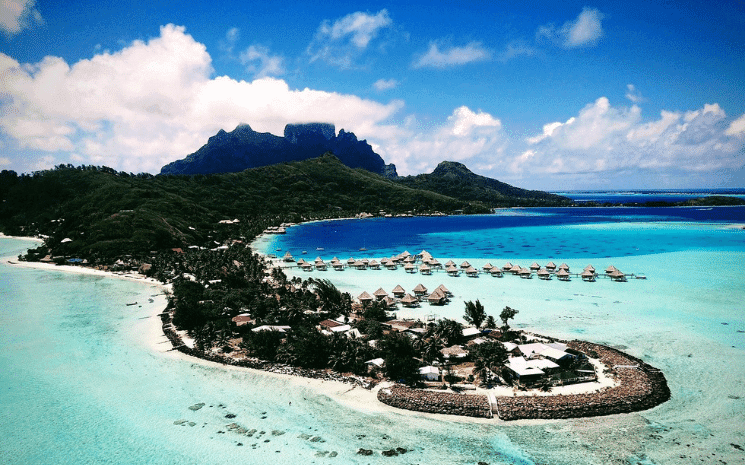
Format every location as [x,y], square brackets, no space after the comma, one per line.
[641,387]
[447,403]
[326,375]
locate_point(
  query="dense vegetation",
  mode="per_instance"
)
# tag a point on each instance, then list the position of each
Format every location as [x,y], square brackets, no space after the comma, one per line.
[108,214]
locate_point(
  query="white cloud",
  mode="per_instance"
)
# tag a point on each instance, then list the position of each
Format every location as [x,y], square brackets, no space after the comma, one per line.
[585,31]
[515,49]
[385,84]
[340,42]
[475,138]
[259,62]
[154,102]
[633,94]
[453,56]
[603,140]
[17,15]
[5,161]
[737,127]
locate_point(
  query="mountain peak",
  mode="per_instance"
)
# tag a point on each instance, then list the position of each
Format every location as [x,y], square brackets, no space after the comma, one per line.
[244,148]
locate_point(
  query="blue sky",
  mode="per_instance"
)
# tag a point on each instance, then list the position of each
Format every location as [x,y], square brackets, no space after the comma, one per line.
[542,95]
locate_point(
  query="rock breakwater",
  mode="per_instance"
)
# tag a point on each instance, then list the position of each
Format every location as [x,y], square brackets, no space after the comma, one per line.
[436,402]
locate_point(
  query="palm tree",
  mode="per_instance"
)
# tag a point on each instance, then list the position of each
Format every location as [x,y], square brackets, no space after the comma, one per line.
[450,331]
[475,313]
[430,348]
[490,355]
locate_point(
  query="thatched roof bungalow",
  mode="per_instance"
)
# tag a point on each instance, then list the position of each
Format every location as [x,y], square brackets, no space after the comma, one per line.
[563,275]
[516,269]
[436,298]
[374,265]
[496,272]
[288,257]
[452,270]
[444,290]
[465,265]
[409,301]
[410,268]
[588,275]
[535,266]
[472,272]
[380,294]
[399,291]
[544,274]
[551,266]
[616,275]
[507,266]
[365,298]
[425,269]
[420,290]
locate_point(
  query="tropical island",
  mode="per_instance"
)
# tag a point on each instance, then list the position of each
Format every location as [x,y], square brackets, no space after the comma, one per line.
[234,306]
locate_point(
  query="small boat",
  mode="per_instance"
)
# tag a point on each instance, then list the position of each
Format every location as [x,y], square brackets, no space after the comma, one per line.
[640,276]
[363,249]
[319,248]
[279,249]
[130,304]
[305,252]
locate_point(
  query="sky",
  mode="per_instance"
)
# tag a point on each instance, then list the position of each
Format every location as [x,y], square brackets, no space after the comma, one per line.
[542,95]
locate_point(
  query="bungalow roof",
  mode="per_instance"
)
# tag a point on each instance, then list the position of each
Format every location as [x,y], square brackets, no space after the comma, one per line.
[380,293]
[420,288]
[364,296]
[399,290]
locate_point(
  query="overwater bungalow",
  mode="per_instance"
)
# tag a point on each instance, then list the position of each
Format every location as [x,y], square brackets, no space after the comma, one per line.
[436,298]
[410,259]
[365,298]
[360,265]
[588,276]
[525,273]
[472,272]
[288,257]
[425,269]
[590,268]
[516,270]
[399,291]
[365,261]
[338,266]
[535,266]
[616,275]
[450,263]
[564,267]
[405,254]
[390,302]
[307,266]
[380,294]
[551,266]
[434,263]
[410,268]
[321,266]
[391,265]
[351,261]
[301,261]
[444,290]
[507,266]
[465,265]
[562,274]
[488,267]
[452,270]
[496,272]
[374,265]
[544,274]
[420,290]
[409,301]
[425,255]
[610,269]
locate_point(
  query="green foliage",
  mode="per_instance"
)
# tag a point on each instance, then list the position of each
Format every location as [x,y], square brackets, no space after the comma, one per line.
[372,329]
[399,353]
[490,355]
[449,331]
[507,314]
[475,313]
[491,322]
[376,311]
[305,347]
[263,344]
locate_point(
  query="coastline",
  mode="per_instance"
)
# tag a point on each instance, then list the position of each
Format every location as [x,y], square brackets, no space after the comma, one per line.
[388,397]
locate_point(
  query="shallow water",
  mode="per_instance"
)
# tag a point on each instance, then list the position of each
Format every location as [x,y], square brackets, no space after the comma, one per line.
[86,379]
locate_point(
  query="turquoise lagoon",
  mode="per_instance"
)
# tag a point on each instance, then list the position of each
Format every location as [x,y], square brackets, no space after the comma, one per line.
[88,379]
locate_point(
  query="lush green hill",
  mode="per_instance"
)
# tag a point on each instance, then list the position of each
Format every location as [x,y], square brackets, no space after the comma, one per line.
[455,180]
[107,214]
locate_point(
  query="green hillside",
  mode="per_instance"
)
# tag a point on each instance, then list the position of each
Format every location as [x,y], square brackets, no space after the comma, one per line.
[108,214]
[455,180]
